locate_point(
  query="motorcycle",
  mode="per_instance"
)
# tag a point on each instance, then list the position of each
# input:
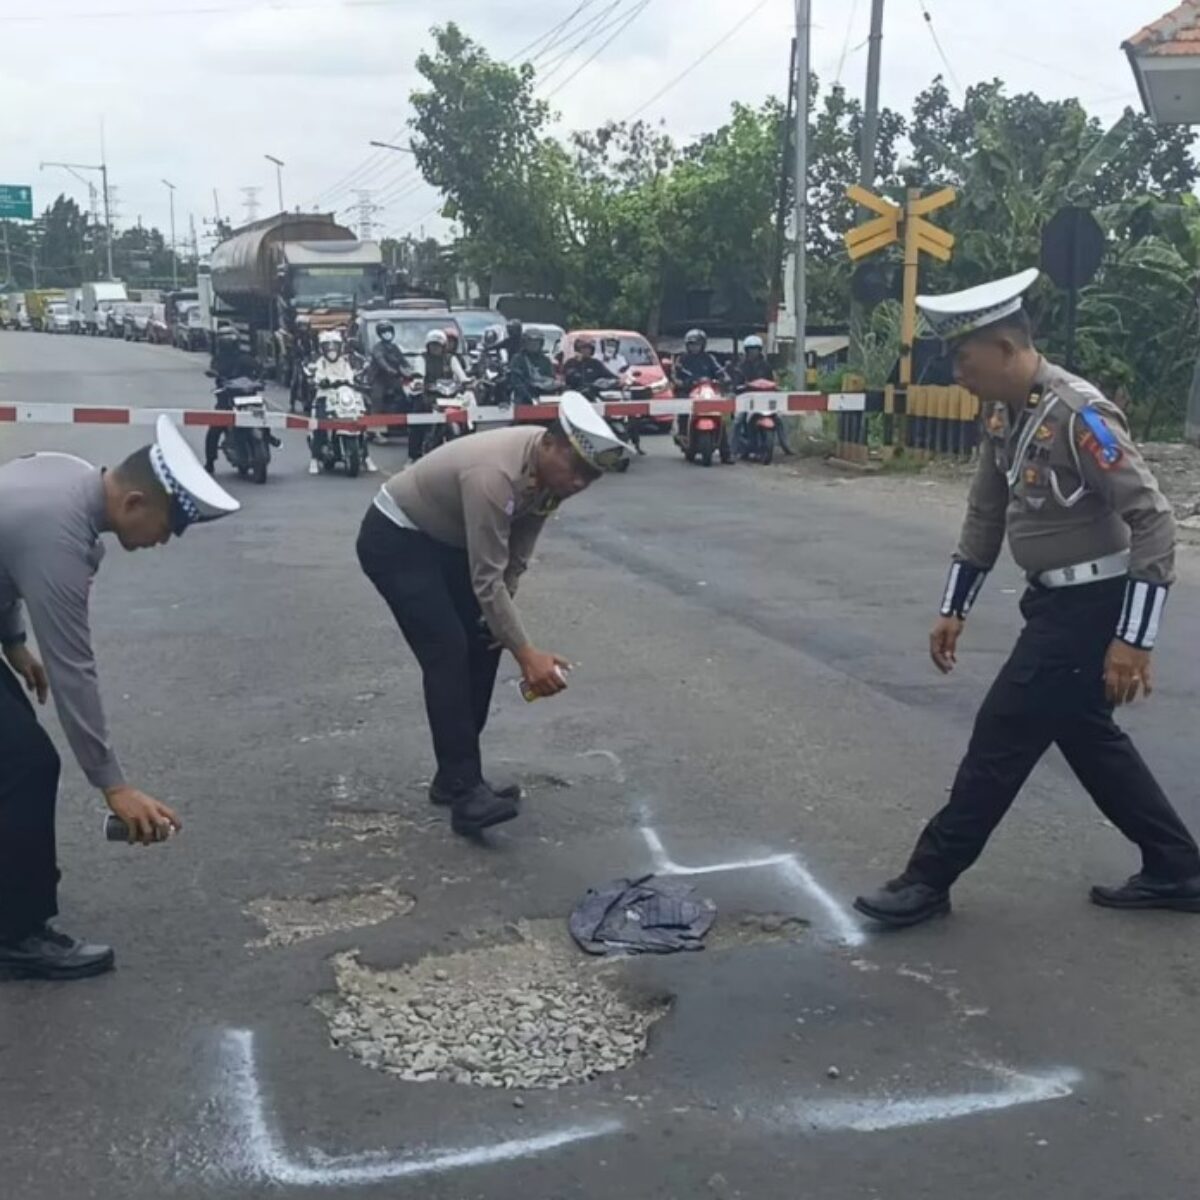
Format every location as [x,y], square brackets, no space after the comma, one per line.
[701,435]
[759,430]
[491,384]
[347,447]
[449,397]
[247,448]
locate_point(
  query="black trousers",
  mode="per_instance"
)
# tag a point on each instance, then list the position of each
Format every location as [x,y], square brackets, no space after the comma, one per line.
[1051,690]
[418,433]
[212,439]
[29,767]
[427,585]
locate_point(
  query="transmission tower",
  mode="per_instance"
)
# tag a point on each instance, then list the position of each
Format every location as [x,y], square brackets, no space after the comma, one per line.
[251,203]
[366,213]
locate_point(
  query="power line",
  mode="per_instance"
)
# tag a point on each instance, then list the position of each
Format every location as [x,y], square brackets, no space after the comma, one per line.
[591,28]
[741,23]
[837,79]
[520,54]
[629,20]
[937,43]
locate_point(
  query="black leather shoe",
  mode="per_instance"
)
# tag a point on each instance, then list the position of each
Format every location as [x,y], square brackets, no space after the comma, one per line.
[50,954]
[1144,891]
[479,809]
[903,902]
[444,796]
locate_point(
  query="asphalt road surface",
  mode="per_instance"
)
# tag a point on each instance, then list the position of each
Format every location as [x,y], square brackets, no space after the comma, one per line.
[752,692]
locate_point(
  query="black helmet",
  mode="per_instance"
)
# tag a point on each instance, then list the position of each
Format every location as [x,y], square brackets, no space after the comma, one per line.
[584,343]
[533,340]
[386,330]
[514,328]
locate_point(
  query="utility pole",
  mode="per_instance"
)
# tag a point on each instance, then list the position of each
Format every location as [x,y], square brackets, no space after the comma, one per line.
[74,168]
[800,288]
[174,251]
[870,129]
[779,251]
[195,243]
[279,165]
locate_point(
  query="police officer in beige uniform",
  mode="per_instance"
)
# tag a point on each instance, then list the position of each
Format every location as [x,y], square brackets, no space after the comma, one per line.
[1088,525]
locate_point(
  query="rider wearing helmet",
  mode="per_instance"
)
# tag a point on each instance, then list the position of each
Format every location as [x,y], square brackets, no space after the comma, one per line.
[583,370]
[611,356]
[695,363]
[389,368]
[530,372]
[513,334]
[229,361]
[751,367]
[333,370]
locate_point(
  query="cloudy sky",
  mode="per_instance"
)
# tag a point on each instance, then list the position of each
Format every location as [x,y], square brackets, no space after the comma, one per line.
[198,91]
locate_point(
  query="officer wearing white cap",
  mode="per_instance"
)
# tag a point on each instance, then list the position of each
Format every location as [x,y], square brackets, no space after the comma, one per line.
[53,509]
[1088,525]
[445,543]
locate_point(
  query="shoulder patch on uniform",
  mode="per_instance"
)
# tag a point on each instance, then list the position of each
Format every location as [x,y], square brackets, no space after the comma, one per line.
[1097,439]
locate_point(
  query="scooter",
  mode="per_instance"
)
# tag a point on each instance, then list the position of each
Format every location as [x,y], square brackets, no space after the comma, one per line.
[246,447]
[449,397]
[759,430]
[702,435]
[342,446]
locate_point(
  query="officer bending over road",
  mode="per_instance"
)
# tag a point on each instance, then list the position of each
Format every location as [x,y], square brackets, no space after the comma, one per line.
[445,543]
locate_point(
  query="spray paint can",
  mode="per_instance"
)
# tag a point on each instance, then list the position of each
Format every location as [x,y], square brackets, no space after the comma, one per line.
[530,695]
[115,830]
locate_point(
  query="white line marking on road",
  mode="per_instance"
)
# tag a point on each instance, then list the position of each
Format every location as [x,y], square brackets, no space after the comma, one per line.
[875,1115]
[265,1158]
[841,923]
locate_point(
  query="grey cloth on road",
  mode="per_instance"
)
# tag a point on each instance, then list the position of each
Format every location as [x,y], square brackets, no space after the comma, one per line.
[1042,475]
[641,916]
[479,494]
[51,516]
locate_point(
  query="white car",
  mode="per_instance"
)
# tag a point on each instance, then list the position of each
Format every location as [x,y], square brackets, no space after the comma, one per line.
[57,317]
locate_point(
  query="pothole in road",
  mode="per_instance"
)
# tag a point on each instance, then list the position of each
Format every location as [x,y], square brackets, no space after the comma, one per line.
[288,920]
[531,1014]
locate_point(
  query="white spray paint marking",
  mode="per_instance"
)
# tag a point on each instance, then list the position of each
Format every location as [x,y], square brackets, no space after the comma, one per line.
[841,923]
[263,1157]
[877,1114]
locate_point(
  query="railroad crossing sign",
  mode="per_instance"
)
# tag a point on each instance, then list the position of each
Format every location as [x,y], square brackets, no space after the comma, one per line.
[16,201]
[890,225]
[886,228]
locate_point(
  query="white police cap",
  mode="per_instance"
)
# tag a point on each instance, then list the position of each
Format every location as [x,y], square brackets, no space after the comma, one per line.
[956,314]
[590,434]
[195,495]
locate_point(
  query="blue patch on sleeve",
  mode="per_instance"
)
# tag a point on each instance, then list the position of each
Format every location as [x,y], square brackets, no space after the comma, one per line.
[1110,448]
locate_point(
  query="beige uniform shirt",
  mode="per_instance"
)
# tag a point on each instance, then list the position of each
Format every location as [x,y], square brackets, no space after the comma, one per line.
[479,493]
[1068,490]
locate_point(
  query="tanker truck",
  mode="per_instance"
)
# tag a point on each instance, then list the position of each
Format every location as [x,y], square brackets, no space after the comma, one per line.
[271,271]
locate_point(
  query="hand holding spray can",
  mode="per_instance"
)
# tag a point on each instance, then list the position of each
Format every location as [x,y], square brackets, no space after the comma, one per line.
[530,695]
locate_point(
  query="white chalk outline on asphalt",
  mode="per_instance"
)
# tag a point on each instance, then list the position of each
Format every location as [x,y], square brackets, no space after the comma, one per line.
[877,1115]
[845,928]
[265,1158]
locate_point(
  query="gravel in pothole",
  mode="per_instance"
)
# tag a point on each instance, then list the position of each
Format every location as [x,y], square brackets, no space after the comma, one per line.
[533,1014]
[290,919]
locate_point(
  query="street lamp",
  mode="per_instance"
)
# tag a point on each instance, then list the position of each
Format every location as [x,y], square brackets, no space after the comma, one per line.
[103,169]
[279,165]
[391,146]
[174,253]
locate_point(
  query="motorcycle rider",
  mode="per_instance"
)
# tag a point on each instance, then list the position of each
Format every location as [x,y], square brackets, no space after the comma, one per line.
[586,373]
[458,366]
[333,370]
[611,356]
[389,369]
[531,369]
[437,367]
[751,367]
[693,366]
[229,361]
[514,333]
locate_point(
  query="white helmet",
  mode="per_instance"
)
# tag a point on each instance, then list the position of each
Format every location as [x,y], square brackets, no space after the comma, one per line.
[436,337]
[753,342]
[330,343]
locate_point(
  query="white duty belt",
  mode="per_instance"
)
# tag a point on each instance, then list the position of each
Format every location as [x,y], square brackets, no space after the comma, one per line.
[1111,566]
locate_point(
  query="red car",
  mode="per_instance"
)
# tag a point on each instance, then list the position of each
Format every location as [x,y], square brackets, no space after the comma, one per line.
[641,366]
